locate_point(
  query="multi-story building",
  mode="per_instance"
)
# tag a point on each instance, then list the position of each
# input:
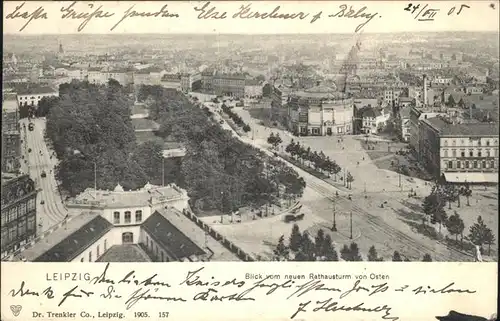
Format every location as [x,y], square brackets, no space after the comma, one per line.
[321,111]
[18,212]
[391,95]
[95,75]
[253,88]
[172,81]
[404,128]
[31,94]
[373,119]
[143,225]
[416,116]
[191,82]
[229,85]
[11,139]
[460,152]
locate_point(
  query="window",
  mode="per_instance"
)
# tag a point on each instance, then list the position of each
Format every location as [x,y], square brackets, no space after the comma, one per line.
[127,217]
[462,153]
[116,217]
[454,152]
[483,164]
[458,164]
[90,256]
[127,238]
[471,153]
[488,153]
[475,164]
[492,164]
[467,164]
[138,216]
[479,153]
[31,204]
[22,226]
[479,142]
[12,233]
[12,214]
[22,209]
[445,153]
[454,143]
[31,222]
[450,164]
[488,142]
[81,260]
[445,142]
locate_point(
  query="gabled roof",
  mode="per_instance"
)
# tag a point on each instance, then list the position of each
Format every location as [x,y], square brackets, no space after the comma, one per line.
[76,242]
[170,238]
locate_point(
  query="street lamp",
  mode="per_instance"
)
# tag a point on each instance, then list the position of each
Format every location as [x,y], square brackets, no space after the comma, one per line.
[334,226]
[222,207]
[162,170]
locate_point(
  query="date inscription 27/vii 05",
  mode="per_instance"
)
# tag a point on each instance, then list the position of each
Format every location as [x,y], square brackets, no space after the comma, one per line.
[146,315]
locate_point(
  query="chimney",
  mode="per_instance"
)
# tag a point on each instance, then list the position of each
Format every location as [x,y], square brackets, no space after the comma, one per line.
[425,90]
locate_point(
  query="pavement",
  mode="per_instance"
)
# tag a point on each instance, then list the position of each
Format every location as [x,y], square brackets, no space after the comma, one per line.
[383,229]
[39,160]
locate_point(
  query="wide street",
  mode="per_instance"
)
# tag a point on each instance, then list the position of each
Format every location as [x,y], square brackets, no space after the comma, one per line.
[39,160]
[375,226]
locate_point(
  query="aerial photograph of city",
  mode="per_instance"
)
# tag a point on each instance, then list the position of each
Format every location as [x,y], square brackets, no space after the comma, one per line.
[225,147]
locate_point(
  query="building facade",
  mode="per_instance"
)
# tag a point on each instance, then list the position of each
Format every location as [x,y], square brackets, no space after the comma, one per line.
[18,212]
[11,137]
[321,111]
[460,152]
[31,95]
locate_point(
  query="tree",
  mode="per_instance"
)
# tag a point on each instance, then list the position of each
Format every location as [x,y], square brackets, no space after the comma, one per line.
[478,233]
[281,251]
[467,192]
[373,255]
[427,258]
[439,216]
[355,256]
[246,128]
[489,239]
[320,243]
[345,253]
[306,251]
[349,179]
[455,225]
[396,257]
[451,101]
[295,239]
[274,140]
[329,250]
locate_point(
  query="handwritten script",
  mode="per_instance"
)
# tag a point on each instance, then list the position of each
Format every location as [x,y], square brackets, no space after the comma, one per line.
[305,296]
[85,13]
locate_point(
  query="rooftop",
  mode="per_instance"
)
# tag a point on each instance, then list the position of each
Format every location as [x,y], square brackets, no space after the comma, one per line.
[120,198]
[470,129]
[64,243]
[34,89]
[124,253]
[170,237]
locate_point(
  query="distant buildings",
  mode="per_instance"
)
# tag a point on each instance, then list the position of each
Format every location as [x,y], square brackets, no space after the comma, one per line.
[373,119]
[11,137]
[460,152]
[18,212]
[31,94]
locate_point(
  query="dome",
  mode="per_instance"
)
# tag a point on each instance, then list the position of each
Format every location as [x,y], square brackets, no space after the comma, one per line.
[118,188]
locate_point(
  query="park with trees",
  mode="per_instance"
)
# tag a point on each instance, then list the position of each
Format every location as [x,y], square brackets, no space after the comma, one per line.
[90,125]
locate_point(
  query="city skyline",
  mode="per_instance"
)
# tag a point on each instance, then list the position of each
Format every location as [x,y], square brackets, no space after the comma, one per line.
[387,18]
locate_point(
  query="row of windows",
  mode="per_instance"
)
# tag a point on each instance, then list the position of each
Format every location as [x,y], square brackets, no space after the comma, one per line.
[32,97]
[18,211]
[98,252]
[467,164]
[462,142]
[157,252]
[479,153]
[127,217]
[11,234]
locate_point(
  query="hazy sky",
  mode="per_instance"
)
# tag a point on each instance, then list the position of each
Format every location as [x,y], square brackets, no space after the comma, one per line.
[388,16]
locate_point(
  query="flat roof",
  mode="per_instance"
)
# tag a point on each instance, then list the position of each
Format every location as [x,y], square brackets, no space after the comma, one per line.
[467,129]
[170,237]
[124,253]
[120,198]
